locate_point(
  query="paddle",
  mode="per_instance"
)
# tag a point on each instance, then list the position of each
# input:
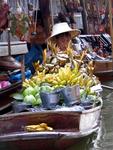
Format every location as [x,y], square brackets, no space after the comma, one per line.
[107,87]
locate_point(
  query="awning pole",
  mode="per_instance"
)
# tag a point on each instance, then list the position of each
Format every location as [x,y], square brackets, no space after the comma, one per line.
[52,18]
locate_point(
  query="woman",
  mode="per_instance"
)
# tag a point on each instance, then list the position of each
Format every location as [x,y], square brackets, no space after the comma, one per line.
[59,46]
[60,40]
[61,35]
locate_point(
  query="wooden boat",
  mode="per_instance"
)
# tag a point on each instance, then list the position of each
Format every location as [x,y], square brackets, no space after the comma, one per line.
[69,128]
[12,48]
[104,69]
[5,99]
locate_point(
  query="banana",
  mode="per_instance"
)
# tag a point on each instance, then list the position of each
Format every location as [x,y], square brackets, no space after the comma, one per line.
[76,66]
[77,74]
[85,80]
[31,83]
[71,77]
[69,49]
[89,83]
[63,82]
[61,74]
[54,82]
[81,83]
[79,79]
[44,56]
[39,127]
[49,128]
[74,81]
[24,84]
[58,79]
[26,81]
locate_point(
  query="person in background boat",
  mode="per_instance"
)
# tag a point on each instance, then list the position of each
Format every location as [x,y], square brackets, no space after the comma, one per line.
[35,41]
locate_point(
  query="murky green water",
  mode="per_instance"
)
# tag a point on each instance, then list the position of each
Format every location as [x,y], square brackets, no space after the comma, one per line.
[104,139]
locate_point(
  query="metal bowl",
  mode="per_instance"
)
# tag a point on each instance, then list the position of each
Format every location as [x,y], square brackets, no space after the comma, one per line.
[20,106]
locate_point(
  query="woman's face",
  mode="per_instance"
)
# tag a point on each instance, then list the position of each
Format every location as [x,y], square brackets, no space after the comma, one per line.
[62,40]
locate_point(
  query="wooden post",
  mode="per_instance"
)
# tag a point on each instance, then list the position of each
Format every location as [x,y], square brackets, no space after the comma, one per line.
[111,24]
[22,68]
[52,17]
[84,16]
[9,42]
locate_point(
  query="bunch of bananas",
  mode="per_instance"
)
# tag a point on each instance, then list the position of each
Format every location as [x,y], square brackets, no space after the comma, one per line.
[63,77]
[66,76]
[35,80]
[39,78]
[38,127]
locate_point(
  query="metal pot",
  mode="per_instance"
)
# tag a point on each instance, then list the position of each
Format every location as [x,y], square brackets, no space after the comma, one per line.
[49,100]
[71,95]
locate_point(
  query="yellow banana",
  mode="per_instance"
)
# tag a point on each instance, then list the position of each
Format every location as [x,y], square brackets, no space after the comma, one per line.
[61,74]
[54,82]
[76,65]
[26,81]
[58,79]
[71,77]
[44,56]
[63,82]
[80,78]
[77,74]
[24,84]
[89,83]
[32,83]
[74,81]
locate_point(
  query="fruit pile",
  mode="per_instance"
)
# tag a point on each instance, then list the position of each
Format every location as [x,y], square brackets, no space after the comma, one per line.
[65,76]
[61,70]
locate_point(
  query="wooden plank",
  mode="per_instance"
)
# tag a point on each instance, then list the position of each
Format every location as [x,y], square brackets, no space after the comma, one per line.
[17,47]
[107,87]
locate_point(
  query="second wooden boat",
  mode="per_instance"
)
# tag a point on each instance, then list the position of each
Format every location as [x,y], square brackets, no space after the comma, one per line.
[5,99]
[104,69]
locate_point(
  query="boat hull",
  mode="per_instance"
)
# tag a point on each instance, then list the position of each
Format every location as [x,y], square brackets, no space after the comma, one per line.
[69,129]
[104,70]
[55,141]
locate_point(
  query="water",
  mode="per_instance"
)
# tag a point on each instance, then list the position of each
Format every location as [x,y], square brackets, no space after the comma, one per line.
[104,139]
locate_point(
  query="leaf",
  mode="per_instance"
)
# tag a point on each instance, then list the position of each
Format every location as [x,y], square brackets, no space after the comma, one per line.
[17,96]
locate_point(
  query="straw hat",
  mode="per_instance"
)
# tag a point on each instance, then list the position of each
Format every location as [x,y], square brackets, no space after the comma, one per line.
[62,28]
